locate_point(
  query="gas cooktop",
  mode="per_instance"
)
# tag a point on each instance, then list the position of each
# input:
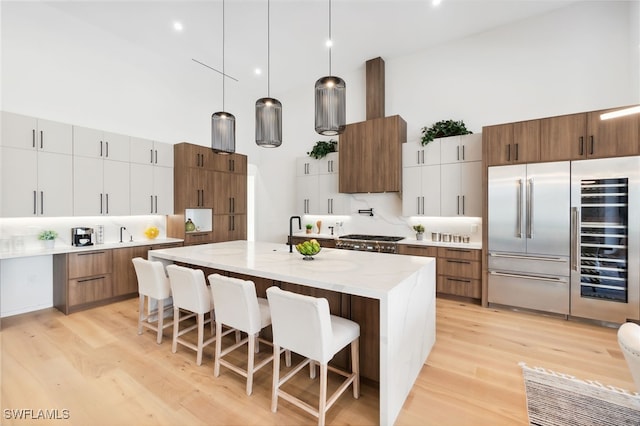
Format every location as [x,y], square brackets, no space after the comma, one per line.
[363,237]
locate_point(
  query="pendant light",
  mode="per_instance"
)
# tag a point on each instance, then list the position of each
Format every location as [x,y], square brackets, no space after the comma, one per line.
[223,124]
[330,100]
[268,110]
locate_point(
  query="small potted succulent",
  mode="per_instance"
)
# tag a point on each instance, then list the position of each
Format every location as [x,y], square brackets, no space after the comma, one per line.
[309,228]
[48,237]
[419,231]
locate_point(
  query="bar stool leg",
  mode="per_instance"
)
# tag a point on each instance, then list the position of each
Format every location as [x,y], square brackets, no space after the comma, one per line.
[276,378]
[355,366]
[160,320]
[141,313]
[322,408]
[200,320]
[176,321]
[251,356]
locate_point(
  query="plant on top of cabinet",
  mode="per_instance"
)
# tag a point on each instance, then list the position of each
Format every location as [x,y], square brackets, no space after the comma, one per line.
[443,129]
[322,148]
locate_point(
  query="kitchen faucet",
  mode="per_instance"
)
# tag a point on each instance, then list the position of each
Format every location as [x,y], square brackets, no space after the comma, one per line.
[291,230]
[122,228]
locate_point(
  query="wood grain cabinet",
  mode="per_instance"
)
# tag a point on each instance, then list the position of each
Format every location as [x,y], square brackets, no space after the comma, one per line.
[585,135]
[204,179]
[371,155]
[512,143]
[459,272]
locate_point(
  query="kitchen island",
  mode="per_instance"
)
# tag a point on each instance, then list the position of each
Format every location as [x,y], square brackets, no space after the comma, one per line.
[402,286]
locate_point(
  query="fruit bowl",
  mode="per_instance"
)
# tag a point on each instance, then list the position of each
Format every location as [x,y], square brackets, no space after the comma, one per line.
[151,232]
[308,249]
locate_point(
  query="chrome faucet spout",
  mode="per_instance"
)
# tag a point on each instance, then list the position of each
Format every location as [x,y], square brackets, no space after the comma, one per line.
[299,219]
[122,228]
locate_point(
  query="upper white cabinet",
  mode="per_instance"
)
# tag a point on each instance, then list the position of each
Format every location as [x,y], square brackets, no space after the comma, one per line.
[146,151]
[21,131]
[100,144]
[443,178]
[457,149]
[317,184]
[100,187]
[35,183]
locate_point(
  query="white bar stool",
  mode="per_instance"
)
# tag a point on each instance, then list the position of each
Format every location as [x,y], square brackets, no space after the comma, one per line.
[153,283]
[303,324]
[191,294]
[629,341]
[237,306]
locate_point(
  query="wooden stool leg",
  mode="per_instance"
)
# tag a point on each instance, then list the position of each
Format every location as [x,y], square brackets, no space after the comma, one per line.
[251,356]
[176,321]
[140,313]
[216,365]
[355,366]
[322,407]
[200,320]
[276,378]
[160,320]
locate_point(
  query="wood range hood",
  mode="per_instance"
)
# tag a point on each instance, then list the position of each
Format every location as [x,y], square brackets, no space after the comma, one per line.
[371,150]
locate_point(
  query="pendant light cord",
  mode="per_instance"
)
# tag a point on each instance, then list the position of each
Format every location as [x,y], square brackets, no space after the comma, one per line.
[269,48]
[223,74]
[330,39]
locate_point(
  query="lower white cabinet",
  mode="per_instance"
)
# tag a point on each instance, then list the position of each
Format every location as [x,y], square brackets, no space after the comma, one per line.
[35,183]
[100,187]
[151,189]
[421,191]
[461,190]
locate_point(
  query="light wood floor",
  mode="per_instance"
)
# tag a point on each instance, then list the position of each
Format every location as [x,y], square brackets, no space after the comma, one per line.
[95,365]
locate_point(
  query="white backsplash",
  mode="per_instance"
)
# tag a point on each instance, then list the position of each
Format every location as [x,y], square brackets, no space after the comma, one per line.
[26,230]
[387,219]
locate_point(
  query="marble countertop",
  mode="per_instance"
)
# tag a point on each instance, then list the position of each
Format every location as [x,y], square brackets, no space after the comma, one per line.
[346,271]
[476,245]
[64,248]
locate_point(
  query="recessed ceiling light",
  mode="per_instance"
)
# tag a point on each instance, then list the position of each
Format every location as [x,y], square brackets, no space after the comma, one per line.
[329,43]
[178,26]
[436,2]
[258,71]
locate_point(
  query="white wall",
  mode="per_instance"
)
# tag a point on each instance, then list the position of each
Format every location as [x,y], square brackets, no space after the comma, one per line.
[579,58]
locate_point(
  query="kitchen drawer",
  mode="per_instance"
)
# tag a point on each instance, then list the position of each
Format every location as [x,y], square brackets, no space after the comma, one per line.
[465,287]
[459,268]
[87,290]
[459,253]
[87,264]
[542,293]
[417,250]
[191,238]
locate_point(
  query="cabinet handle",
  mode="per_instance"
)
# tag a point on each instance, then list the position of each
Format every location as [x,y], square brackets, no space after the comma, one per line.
[509,152]
[581,139]
[516,159]
[34,203]
[591,145]
[423,205]
[107,198]
[151,152]
[33,138]
[459,250]
[423,156]
[41,139]
[86,280]
[462,152]
[417,205]
[463,205]
[328,206]
[107,144]
[458,153]
[459,280]
[101,154]
[100,203]
[458,204]
[151,203]
[156,197]
[91,253]
[41,202]
[332,206]
[458,261]
[156,151]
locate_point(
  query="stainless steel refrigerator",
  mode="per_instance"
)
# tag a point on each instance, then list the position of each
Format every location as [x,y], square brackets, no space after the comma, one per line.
[564,237]
[529,236]
[605,261]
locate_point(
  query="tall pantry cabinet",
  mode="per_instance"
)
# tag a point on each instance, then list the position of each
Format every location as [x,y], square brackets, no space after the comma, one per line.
[213,189]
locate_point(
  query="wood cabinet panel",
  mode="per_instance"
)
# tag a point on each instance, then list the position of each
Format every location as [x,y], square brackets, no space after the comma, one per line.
[563,137]
[459,253]
[191,238]
[458,268]
[526,138]
[614,137]
[464,287]
[89,290]
[366,312]
[125,281]
[418,250]
[497,142]
[86,264]
[512,143]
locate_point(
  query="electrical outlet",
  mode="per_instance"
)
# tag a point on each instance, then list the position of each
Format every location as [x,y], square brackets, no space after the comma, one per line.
[474,229]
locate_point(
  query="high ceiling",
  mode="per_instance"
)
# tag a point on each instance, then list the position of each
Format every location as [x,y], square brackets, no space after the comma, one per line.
[361,30]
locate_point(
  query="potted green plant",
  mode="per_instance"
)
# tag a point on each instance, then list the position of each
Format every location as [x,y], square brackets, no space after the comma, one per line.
[419,231]
[309,228]
[322,148]
[48,237]
[442,129]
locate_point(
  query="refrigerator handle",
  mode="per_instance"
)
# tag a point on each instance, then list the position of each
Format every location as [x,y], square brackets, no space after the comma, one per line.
[530,208]
[519,210]
[574,239]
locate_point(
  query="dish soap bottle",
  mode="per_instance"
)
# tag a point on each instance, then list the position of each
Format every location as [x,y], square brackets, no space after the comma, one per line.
[189,226]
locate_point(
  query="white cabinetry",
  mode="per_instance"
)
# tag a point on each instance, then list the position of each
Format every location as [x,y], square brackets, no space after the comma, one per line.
[151,177]
[100,187]
[443,178]
[35,183]
[20,131]
[26,284]
[95,143]
[317,186]
[421,179]
[465,148]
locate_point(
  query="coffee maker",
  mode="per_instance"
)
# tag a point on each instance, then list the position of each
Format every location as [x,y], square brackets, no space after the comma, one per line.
[81,237]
